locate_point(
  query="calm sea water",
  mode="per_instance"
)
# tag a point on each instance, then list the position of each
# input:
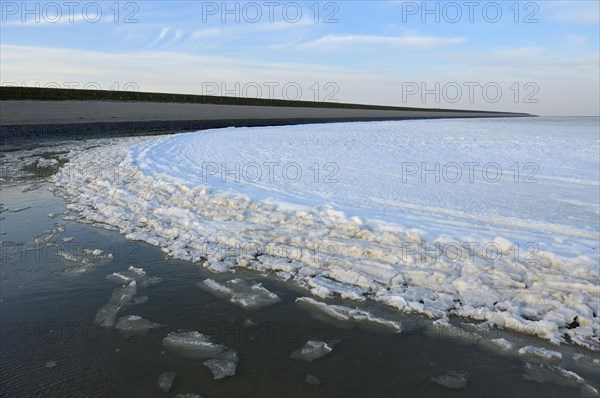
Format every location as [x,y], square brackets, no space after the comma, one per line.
[50,346]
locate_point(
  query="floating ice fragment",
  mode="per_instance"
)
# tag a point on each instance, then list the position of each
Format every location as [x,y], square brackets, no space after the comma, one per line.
[539,354]
[242,293]
[106,315]
[442,328]
[134,274]
[118,277]
[589,391]
[503,344]
[541,373]
[313,349]
[50,364]
[221,368]
[348,314]
[140,300]
[165,381]
[137,271]
[315,381]
[454,379]
[133,324]
[587,361]
[188,395]
[192,345]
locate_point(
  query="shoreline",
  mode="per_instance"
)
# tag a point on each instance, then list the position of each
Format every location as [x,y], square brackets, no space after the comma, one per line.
[58,114]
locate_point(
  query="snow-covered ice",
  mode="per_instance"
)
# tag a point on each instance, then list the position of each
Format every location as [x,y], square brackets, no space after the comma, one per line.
[507,234]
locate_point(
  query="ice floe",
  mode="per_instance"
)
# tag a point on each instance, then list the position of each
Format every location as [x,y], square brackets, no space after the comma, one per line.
[165,381]
[107,314]
[221,361]
[454,379]
[124,295]
[347,314]
[312,350]
[541,373]
[241,293]
[222,368]
[539,354]
[314,380]
[192,345]
[135,325]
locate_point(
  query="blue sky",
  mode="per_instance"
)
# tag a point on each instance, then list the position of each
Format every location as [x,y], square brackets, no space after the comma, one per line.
[380,52]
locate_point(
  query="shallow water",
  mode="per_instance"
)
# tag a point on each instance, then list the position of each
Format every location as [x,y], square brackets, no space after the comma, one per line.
[48,304]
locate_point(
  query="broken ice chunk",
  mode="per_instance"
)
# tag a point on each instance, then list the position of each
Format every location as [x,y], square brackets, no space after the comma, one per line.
[133,274]
[589,391]
[106,315]
[503,344]
[165,381]
[313,349]
[539,354]
[454,379]
[587,361]
[347,314]
[220,368]
[192,345]
[133,324]
[498,346]
[124,294]
[541,373]
[241,293]
[315,381]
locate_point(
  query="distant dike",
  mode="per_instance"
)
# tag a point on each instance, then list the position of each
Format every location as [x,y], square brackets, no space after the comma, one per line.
[45,113]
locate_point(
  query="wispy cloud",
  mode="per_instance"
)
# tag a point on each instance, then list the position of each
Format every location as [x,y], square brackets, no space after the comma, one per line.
[169,38]
[581,12]
[163,33]
[332,42]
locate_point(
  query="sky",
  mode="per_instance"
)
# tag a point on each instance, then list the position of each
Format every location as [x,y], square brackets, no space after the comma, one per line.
[538,57]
